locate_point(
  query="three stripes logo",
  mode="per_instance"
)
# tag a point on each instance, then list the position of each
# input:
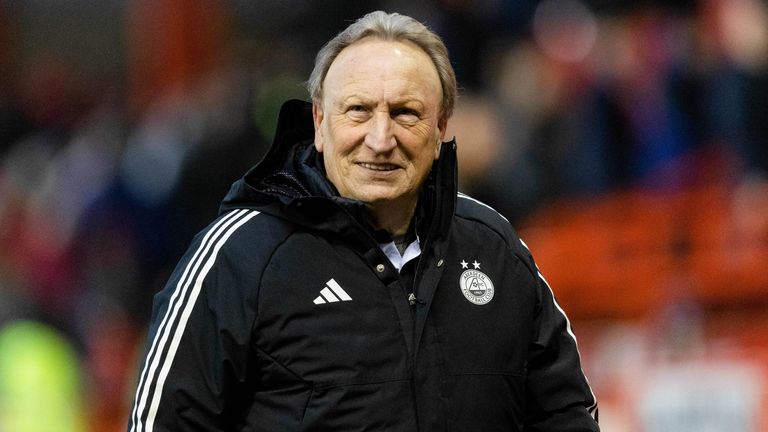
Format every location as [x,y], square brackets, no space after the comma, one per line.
[332,293]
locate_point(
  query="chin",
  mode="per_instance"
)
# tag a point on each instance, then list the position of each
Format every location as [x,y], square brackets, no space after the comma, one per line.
[381,197]
[374,199]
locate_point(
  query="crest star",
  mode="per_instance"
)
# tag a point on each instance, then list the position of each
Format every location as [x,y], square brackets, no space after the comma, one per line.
[464,264]
[476,264]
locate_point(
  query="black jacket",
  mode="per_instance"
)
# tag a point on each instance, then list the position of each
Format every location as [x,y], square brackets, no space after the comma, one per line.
[285,315]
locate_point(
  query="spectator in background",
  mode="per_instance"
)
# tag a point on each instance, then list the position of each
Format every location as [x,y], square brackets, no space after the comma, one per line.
[41,387]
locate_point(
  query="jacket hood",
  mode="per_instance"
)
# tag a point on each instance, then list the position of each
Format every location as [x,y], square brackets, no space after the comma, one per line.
[290,182]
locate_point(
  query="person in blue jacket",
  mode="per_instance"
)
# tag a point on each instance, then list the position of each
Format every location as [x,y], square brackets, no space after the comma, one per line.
[348,286]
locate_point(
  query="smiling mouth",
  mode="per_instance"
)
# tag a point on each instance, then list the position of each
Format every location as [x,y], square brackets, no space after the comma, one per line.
[378,166]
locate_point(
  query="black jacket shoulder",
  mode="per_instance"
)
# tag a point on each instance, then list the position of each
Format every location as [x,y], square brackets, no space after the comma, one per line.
[479,212]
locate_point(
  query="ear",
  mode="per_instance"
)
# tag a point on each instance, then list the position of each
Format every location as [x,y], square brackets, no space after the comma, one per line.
[442,125]
[317,119]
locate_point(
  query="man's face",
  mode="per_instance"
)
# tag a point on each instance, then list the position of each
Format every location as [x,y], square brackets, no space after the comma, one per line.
[378,124]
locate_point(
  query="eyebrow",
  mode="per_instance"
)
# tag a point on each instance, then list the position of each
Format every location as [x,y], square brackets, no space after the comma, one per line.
[353,99]
[409,103]
[406,101]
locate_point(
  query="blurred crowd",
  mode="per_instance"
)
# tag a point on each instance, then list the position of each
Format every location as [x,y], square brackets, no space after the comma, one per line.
[123,123]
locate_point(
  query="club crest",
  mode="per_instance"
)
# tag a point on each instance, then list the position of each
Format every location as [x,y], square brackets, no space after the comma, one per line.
[476,286]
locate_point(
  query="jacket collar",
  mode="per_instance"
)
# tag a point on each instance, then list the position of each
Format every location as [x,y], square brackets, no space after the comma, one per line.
[289,181]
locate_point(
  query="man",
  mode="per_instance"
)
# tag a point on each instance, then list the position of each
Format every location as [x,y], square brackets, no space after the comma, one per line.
[347,286]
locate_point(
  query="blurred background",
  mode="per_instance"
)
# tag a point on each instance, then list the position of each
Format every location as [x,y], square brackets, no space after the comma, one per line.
[627,141]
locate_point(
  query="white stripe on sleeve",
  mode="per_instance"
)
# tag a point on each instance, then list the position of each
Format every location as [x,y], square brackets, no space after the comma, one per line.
[151,385]
[592,408]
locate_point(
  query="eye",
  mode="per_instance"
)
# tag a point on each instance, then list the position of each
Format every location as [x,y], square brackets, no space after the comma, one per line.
[358,112]
[406,115]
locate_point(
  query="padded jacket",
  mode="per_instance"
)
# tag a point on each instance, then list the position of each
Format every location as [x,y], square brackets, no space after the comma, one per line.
[285,315]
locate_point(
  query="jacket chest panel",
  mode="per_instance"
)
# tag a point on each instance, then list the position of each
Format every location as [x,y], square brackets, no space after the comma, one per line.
[325,316]
[485,302]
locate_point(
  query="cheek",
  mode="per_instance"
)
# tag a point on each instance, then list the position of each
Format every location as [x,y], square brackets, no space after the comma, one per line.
[345,142]
[425,160]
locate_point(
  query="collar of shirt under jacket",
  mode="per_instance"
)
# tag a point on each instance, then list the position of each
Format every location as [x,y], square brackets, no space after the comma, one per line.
[396,258]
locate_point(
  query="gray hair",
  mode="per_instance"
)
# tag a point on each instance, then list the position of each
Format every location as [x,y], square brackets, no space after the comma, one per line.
[388,27]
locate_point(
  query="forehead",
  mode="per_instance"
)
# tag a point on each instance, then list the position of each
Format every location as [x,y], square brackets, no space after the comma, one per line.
[374,64]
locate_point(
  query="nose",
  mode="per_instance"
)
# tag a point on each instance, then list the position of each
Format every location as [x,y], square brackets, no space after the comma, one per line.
[380,136]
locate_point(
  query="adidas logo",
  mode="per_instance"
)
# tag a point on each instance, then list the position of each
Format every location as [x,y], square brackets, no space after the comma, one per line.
[332,293]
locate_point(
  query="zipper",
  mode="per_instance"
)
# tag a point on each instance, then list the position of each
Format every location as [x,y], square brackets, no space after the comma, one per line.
[413,301]
[414,396]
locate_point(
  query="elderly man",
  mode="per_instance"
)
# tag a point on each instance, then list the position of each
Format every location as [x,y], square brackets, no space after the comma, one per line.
[347,286]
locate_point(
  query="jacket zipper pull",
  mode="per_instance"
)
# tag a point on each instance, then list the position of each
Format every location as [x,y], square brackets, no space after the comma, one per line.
[412,300]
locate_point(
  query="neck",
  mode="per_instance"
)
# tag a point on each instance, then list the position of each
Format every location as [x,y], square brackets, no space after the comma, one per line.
[395,218]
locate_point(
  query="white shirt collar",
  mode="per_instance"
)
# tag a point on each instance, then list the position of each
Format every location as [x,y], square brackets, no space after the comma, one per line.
[390,250]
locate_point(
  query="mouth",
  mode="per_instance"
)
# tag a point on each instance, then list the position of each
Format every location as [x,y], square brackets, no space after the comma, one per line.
[383,167]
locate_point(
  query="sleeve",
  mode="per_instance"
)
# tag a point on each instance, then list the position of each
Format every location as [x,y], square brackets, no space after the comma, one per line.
[197,348]
[558,393]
